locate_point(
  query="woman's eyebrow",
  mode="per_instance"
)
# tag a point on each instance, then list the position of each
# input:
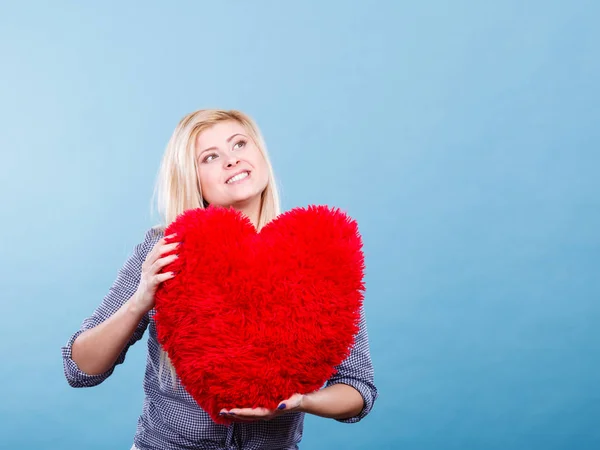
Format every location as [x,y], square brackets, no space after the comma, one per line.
[234,135]
[228,140]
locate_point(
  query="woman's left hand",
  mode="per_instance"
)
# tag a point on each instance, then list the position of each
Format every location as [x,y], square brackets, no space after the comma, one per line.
[294,403]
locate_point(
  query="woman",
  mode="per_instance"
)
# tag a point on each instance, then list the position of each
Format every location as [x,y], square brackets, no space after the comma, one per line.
[213,157]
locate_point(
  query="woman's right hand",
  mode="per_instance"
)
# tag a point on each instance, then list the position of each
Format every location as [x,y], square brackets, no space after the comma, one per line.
[151,276]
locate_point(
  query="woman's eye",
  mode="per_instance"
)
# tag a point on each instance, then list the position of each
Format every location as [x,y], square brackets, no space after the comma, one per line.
[240,144]
[209,158]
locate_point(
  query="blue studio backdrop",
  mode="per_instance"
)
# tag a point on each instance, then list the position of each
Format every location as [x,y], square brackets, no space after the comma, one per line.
[463,136]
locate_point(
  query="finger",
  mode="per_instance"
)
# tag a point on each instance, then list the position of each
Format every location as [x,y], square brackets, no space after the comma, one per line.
[162,262]
[168,238]
[168,248]
[248,418]
[258,413]
[164,277]
[233,416]
[159,260]
[154,254]
[294,402]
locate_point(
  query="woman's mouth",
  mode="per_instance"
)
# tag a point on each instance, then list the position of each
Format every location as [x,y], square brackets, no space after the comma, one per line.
[239,177]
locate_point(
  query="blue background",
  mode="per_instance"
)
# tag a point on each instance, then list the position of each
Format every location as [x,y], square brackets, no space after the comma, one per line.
[463,136]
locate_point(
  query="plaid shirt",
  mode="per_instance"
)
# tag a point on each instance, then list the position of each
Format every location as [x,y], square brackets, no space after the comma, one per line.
[170,418]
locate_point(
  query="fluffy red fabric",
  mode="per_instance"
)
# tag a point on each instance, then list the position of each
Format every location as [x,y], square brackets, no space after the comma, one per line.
[253,318]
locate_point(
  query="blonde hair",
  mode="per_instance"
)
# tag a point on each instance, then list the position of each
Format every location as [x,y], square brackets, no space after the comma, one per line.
[178,188]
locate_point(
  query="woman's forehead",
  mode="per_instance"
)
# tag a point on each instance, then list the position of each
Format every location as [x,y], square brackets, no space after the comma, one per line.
[219,134]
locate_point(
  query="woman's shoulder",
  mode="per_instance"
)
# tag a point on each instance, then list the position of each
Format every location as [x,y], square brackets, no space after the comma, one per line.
[156,232]
[151,237]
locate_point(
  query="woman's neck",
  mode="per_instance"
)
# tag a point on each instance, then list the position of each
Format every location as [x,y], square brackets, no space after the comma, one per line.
[251,209]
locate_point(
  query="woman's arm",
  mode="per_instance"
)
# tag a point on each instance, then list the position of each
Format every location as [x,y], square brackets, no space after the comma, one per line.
[91,354]
[356,371]
[339,401]
[96,350]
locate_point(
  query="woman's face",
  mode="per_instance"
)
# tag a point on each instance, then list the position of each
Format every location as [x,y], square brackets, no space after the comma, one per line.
[231,169]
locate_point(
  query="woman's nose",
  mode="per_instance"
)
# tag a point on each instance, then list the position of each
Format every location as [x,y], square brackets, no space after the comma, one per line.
[232,161]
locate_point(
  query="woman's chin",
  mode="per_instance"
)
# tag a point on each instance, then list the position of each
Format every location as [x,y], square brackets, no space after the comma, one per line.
[242,200]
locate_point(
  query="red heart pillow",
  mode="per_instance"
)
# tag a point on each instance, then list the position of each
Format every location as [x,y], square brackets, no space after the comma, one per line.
[253,318]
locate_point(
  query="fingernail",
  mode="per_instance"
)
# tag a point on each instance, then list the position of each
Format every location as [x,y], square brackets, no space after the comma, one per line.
[282,406]
[221,413]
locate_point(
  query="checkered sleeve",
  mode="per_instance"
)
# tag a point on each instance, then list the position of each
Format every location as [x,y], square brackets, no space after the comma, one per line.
[357,371]
[125,285]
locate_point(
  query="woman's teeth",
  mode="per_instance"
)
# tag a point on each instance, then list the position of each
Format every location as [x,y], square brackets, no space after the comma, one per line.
[238,177]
